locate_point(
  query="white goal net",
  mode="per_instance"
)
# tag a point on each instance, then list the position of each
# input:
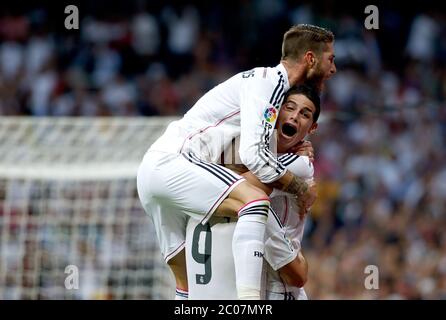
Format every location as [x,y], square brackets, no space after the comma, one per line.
[71,225]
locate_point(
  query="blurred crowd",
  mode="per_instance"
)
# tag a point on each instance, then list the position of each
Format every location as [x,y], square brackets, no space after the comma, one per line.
[382,202]
[380,147]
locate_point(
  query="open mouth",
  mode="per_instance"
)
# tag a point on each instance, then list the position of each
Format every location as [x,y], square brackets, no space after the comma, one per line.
[288,130]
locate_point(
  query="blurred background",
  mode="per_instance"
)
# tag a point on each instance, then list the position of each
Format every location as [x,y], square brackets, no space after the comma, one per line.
[380,147]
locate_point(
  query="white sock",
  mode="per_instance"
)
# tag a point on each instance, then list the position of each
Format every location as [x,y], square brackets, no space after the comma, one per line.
[248,246]
[181,294]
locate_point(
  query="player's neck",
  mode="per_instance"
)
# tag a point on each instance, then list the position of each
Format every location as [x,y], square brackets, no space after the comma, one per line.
[295,71]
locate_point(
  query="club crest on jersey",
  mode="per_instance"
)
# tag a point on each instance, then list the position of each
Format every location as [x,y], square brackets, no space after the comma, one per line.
[270,114]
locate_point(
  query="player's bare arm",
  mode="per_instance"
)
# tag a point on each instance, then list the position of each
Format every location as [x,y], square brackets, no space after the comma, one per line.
[295,273]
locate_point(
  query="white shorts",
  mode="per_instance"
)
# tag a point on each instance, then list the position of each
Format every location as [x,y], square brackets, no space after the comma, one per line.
[173,187]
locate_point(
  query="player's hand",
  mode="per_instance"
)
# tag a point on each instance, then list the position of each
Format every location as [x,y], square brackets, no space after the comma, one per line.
[301,257]
[304,192]
[304,148]
[307,200]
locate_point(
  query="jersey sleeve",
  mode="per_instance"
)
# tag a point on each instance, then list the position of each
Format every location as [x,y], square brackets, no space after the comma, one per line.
[300,166]
[279,249]
[261,99]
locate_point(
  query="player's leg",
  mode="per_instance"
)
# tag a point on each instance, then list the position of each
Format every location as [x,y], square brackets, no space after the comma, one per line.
[228,208]
[197,188]
[177,263]
[279,252]
[251,205]
[170,231]
[248,241]
[178,266]
[242,194]
[169,228]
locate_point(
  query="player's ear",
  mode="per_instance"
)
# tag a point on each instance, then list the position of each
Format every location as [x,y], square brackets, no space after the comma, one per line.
[313,128]
[310,58]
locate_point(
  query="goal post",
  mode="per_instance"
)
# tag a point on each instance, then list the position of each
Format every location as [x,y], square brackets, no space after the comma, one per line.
[71,224]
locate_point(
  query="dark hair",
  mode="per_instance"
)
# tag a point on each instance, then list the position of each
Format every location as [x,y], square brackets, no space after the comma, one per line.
[311,93]
[304,37]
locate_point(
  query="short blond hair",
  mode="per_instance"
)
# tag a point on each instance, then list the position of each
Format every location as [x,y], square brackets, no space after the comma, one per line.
[304,37]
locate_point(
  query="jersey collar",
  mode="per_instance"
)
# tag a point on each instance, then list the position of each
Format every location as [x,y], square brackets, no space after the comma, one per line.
[282,71]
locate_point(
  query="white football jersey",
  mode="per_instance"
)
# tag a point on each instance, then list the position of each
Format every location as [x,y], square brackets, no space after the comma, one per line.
[209,259]
[210,264]
[246,105]
[288,212]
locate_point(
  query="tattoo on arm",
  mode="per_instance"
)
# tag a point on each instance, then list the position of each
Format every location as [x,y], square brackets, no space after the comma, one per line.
[297,186]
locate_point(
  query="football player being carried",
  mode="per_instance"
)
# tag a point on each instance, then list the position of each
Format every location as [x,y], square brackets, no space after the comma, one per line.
[210,264]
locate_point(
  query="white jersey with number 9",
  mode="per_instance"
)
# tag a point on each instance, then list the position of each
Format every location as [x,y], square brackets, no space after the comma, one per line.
[210,263]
